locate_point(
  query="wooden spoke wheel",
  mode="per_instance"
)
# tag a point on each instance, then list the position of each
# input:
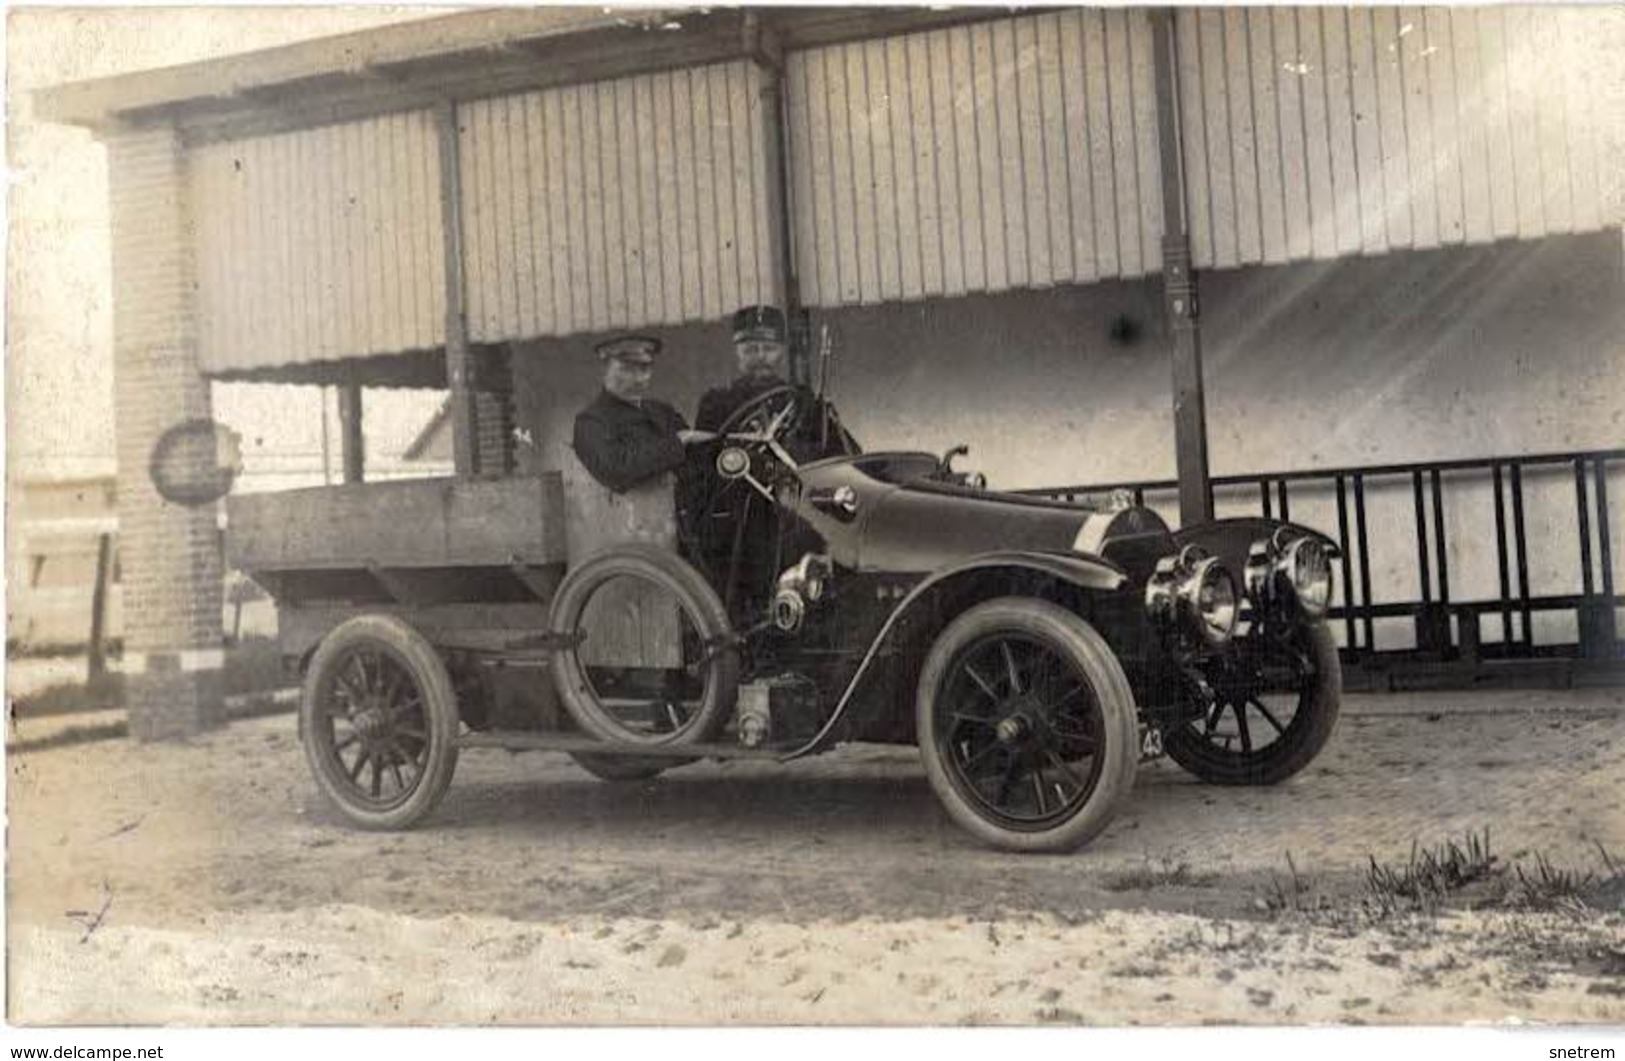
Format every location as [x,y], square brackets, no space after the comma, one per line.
[1275,706]
[379,722]
[1026,725]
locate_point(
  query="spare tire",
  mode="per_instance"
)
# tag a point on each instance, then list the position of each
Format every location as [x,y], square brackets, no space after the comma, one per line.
[646,653]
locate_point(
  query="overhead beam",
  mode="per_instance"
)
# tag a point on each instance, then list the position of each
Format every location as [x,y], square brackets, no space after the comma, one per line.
[817,27]
[1180,305]
[523,64]
[93,102]
[463,57]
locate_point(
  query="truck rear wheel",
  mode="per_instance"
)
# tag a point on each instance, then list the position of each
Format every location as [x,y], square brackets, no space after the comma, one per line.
[378,720]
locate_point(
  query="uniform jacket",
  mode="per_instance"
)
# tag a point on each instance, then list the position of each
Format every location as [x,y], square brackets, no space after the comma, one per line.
[623,444]
[719,402]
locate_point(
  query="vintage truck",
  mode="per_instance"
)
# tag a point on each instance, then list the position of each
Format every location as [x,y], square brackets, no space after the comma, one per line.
[1035,652]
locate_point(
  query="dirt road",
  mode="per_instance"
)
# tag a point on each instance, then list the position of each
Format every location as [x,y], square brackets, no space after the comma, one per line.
[833,890]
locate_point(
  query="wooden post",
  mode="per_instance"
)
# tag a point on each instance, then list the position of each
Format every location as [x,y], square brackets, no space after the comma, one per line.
[1179,286]
[459,358]
[98,608]
[327,445]
[352,448]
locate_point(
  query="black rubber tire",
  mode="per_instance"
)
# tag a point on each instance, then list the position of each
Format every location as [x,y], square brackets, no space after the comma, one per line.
[1306,734]
[1067,635]
[421,664]
[622,768]
[675,576]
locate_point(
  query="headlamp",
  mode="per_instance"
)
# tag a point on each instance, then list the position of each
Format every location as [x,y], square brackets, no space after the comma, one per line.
[1193,594]
[1289,574]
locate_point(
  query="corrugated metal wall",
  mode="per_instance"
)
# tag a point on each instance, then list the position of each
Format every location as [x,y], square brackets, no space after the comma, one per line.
[319,244]
[1319,132]
[1016,153]
[618,204]
[1010,154]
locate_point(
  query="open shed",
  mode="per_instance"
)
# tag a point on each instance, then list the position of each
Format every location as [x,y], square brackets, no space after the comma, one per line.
[1406,222]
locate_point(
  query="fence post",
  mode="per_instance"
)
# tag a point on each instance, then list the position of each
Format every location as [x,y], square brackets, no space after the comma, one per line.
[98,608]
[1606,633]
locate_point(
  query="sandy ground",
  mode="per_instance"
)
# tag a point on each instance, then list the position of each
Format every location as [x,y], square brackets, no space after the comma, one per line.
[347,964]
[832,891]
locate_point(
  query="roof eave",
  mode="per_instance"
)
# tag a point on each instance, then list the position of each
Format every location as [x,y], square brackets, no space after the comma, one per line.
[137,98]
[442,57]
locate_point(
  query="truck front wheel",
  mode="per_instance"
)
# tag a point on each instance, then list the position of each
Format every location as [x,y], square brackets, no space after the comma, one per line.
[1026,725]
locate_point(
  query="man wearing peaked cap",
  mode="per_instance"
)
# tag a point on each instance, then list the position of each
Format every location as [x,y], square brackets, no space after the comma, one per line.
[759,351]
[760,348]
[625,437]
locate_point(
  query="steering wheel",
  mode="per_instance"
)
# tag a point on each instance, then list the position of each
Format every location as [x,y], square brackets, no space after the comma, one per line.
[759,424]
[766,424]
[776,410]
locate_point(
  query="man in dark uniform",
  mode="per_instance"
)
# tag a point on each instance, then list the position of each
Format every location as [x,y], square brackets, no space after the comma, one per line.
[625,437]
[740,534]
[625,440]
[759,353]
[759,350]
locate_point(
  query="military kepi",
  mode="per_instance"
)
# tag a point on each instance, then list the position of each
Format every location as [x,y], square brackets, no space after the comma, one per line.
[640,349]
[759,324]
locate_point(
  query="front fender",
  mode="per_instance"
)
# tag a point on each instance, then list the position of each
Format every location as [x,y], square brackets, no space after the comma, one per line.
[1085,572]
[980,577]
[1229,539]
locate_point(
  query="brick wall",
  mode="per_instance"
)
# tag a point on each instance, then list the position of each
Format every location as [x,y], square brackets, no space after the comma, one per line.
[494,413]
[493,431]
[171,554]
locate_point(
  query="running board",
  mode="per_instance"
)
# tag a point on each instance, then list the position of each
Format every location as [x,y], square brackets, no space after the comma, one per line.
[523,740]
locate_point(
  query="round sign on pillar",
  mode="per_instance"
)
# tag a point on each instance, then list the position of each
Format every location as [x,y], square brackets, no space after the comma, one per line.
[195,462]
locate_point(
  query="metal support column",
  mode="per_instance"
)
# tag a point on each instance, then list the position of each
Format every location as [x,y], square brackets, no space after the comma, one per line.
[1179,286]
[765,50]
[351,448]
[459,358]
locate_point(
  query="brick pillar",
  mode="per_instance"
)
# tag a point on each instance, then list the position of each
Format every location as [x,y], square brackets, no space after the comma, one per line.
[494,432]
[493,412]
[170,553]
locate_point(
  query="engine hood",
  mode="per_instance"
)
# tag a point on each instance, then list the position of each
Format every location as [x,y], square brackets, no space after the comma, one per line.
[925,527]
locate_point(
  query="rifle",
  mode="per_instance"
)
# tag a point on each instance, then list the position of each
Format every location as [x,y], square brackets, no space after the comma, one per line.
[825,349]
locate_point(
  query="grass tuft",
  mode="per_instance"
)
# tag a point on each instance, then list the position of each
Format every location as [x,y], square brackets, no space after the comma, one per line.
[1297,894]
[1161,872]
[1431,875]
[1548,887]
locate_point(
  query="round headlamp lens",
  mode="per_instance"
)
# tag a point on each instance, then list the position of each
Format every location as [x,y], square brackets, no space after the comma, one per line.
[1216,610]
[1311,573]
